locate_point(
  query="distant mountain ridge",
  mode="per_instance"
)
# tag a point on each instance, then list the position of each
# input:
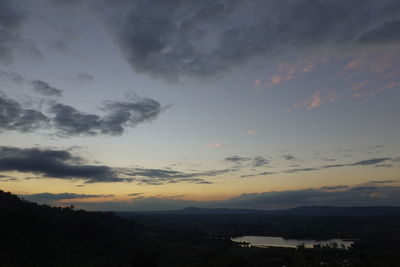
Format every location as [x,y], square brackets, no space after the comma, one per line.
[307,211]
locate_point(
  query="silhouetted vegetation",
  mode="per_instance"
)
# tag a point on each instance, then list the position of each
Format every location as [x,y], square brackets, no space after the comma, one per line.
[39,235]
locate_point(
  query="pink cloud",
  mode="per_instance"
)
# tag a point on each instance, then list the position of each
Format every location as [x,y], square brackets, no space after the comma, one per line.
[284,73]
[358,85]
[354,64]
[316,100]
[389,86]
[257,83]
[214,144]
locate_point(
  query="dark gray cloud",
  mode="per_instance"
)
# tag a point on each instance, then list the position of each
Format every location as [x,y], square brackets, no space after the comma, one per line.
[50,197]
[364,188]
[236,159]
[204,182]
[257,161]
[257,174]
[12,76]
[260,161]
[301,170]
[162,176]
[54,164]
[333,166]
[45,89]
[369,162]
[248,175]
[15,118]
[12,18]
[129,113]
[68,121]
[372,161]
[119,115]
[10,25]
[336,187]
[62,164]
[200,38]
[134,194]
[266,173]
[289,157]
[385,166]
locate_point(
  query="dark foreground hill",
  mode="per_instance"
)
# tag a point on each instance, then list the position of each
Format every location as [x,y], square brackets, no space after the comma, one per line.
[39,235]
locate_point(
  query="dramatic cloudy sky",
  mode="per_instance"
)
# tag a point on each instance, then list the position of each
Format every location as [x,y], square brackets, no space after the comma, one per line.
[151,104]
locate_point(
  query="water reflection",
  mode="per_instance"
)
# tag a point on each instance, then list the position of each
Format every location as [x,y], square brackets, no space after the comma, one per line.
[272,241]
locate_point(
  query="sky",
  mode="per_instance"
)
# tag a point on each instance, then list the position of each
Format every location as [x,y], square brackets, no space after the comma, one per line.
[152,105]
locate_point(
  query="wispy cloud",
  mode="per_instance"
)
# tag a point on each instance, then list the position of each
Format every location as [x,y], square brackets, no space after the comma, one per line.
[368,162]
[252,162]
[148,176]
[237,159]
[316,100]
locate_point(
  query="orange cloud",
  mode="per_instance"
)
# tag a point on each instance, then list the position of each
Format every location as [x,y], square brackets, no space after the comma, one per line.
[315,101]
[257,83]
[251,132]
[277,79]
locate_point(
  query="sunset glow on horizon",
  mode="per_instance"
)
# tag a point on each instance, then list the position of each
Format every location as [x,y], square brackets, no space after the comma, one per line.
[159,105]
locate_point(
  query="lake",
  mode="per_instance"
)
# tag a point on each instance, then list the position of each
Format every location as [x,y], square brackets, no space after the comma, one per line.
[272,241]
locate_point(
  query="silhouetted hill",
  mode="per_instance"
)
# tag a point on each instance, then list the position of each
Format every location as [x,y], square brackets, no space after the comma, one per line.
[47,236]
[312,211]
